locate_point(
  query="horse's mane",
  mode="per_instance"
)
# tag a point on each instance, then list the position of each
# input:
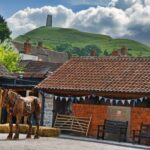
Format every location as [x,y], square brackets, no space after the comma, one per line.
[13,94]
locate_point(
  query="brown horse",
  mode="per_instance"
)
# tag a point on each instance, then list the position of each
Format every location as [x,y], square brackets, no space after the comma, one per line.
[19,106]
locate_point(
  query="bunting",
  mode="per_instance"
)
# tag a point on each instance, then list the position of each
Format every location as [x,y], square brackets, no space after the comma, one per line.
[129,101]
[104,99]
[117,101]
[83,97]
[61,98]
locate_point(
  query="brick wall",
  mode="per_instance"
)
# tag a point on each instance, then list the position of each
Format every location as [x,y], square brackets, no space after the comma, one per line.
[98,112]
[48,107]
[139,115]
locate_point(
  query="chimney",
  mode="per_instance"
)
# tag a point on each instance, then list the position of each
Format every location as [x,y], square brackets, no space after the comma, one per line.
[27,47]
[40,44]
[115,53]
[124,51]
[93,52]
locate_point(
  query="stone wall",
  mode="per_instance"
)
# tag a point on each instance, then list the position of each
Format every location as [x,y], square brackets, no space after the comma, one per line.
[48,110]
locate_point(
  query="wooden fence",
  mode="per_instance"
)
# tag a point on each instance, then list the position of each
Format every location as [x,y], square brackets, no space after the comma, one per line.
[73,123]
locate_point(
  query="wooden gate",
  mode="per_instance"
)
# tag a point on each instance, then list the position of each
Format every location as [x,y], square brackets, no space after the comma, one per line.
[73,123]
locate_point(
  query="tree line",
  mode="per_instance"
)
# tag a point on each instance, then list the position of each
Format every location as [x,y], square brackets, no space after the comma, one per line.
[77,51]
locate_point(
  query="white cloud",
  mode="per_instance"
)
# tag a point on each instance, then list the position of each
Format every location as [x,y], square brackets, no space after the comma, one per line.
[88,2]
[132,21]
[103,20]
[31,18]
[125,4]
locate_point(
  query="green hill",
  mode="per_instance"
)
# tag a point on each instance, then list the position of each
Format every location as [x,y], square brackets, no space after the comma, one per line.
[51,37]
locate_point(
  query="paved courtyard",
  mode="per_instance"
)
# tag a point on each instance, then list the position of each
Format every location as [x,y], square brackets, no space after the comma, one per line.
[61,143]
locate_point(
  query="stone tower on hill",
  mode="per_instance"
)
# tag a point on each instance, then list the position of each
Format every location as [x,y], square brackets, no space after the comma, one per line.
[49,21]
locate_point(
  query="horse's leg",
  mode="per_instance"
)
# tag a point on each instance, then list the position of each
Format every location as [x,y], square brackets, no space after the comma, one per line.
[9,137]
[18,119]
[37,118]
[30,127]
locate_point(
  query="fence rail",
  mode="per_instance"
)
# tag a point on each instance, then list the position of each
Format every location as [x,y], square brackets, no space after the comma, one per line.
[73,123]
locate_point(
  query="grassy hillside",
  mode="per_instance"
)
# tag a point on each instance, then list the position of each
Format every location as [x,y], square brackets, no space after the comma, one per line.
[51,37]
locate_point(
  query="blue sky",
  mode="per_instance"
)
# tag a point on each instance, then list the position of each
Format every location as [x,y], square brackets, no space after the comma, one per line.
[117,18]
[8,7]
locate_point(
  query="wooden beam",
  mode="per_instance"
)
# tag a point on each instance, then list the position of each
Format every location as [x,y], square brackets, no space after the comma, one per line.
[105,94]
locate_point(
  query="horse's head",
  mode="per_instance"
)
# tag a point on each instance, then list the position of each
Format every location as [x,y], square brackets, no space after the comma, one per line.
[5,97]
[8,97]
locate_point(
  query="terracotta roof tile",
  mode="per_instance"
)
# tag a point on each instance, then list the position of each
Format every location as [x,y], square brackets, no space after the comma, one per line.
[116,74]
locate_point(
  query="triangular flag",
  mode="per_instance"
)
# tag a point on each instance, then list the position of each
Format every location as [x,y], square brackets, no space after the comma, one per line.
[67,98]
[72,98]
[89,96]
[123,102]
[61,98]
[100,97]
[83,97]
[135,100]
[141,99]
[78,98]
[117,101]
[105,99]
[56,97]
[129,101]
[145,97]
[93,95]
[111,101]
[45,94]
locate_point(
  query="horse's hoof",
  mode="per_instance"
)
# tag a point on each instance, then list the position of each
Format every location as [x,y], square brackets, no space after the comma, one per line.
[28,137]
[9,137]
[36,137]
[16,138]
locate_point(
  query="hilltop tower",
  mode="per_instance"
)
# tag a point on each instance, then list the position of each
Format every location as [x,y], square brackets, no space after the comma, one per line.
[49,21]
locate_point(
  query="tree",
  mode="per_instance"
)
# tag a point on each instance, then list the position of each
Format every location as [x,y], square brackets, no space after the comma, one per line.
[64,48]
[9,58]
[86,51]
[4,30]
[106,53]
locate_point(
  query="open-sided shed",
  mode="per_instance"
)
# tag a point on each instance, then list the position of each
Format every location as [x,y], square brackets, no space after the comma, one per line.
[115,88]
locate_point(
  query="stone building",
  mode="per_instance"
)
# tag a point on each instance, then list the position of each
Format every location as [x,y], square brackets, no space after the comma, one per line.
[41,53]
[49,21]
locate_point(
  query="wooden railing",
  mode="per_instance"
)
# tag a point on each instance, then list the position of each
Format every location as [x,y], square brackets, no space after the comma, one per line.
[73,123]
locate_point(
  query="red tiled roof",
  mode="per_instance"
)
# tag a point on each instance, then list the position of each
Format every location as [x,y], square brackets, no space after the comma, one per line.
[105,74]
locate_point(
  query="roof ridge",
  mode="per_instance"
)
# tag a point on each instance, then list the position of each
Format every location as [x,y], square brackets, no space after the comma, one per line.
[108,57]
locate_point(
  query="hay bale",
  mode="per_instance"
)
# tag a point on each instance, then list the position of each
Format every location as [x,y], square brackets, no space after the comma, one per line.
[4,128]
[49,132]
[43,131]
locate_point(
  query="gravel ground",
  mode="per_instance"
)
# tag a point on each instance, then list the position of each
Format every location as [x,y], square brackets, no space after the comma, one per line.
[61,143]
